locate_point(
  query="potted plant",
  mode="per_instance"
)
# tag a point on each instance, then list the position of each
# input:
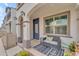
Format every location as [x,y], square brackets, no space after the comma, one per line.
[66,54]
[72,48]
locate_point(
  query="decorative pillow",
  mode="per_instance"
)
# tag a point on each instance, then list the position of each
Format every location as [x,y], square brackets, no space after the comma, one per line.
[54,42]
[49,38]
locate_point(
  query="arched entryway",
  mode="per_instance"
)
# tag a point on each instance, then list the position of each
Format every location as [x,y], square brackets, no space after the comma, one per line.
[21,29]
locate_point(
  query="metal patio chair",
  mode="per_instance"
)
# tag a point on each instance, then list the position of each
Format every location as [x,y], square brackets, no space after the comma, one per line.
[56,49]
[50,49]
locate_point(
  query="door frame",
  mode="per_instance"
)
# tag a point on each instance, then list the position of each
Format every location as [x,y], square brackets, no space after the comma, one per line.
[33,28]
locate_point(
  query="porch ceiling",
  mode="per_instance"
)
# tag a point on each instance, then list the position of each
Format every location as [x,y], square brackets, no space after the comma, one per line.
[50,5]
[35,8]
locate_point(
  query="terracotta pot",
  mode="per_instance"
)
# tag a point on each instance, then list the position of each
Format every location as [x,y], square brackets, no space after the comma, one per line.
[72,53]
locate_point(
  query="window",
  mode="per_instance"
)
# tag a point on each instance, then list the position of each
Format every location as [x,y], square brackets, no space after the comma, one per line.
[57,24]
[48,27]
[36,28]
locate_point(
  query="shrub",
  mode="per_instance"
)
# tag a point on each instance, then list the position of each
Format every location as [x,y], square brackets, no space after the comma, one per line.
[66,54]
[23,53]
[72,47]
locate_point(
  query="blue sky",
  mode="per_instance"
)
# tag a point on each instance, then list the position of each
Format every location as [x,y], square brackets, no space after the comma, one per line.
[2,10]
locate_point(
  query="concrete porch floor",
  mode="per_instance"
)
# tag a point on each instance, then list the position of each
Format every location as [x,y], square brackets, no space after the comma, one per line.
[34,42]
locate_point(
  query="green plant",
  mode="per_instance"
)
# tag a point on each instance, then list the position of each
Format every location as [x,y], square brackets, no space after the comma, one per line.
[72,47]
[66,54]
[44,38]
[23,53]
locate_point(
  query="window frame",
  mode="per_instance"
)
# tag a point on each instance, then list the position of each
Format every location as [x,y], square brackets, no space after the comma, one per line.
[58,15]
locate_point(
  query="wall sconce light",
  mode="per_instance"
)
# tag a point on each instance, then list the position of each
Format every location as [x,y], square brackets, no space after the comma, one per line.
[22,13]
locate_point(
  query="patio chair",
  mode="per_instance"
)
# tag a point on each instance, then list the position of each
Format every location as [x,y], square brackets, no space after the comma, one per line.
[56,49]
[58,40]
[55,39]
[49,48]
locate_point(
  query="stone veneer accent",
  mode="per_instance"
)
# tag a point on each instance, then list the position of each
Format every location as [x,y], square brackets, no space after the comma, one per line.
[27,43]
[20,39]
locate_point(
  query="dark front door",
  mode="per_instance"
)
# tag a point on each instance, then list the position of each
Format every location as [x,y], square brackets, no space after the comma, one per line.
[36,28]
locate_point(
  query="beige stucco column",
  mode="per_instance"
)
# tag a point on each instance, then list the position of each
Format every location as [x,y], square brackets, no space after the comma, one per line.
[7,28]
[13,26]
[18,32]
[26,33]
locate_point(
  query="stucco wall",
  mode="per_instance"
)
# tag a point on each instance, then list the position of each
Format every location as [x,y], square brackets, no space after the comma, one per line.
[78,24]
[25,8]
[51,9]
[13,22]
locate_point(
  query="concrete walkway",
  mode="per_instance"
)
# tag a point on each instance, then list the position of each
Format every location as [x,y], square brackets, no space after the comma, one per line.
[2,50]
[10,52]
[13,51]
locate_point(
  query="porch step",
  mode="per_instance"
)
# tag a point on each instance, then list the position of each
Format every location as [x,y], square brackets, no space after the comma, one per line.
[34,52]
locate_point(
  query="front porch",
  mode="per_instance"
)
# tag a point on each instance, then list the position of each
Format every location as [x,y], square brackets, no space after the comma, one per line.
[48,19]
